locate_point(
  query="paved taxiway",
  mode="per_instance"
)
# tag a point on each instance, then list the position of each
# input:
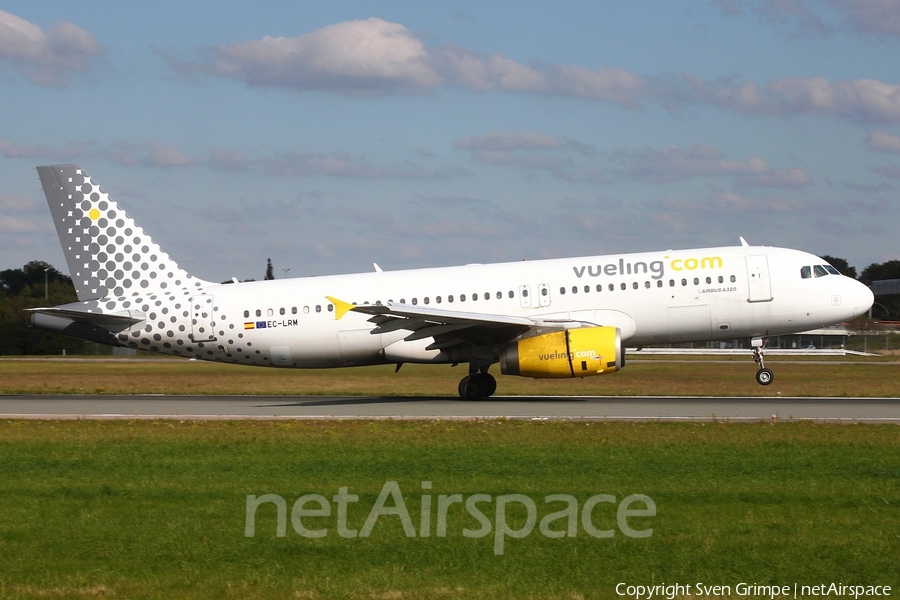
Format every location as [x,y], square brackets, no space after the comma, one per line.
[846,410]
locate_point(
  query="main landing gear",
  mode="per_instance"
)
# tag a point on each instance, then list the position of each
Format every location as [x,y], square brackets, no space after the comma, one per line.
[763,375]
[477,385]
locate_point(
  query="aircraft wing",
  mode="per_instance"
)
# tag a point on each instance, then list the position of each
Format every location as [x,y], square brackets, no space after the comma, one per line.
[447,327]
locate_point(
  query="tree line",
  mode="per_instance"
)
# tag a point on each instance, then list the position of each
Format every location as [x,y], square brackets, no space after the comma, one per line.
[39,284]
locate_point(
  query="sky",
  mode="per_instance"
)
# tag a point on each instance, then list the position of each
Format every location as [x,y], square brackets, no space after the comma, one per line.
[328,136]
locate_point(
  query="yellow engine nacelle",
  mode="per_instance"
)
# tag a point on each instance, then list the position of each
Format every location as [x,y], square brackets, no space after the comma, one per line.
[580,352]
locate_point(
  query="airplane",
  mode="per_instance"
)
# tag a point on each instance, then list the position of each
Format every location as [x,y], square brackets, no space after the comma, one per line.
[557,318]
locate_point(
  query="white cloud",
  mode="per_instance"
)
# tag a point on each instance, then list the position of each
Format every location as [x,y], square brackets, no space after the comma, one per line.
[46,59]
[295,164]
[20,216]
[892,172]
[375,57]
[863,100]
[737,203]
[779,178]
[502,140]
[225,159]
[149,154]
[871,16]
[866,100]
[676,164]
[526,149]
[364,57]
[466,69]
[878,141]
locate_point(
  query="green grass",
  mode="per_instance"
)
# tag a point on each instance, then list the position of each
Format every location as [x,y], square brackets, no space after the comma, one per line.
[831,376]
[157,509]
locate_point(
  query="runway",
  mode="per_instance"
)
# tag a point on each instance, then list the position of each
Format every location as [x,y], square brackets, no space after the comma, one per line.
[621,408]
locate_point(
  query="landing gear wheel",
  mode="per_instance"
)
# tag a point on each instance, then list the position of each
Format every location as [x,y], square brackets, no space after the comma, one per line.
[477,386]
[764,377]
[491,384]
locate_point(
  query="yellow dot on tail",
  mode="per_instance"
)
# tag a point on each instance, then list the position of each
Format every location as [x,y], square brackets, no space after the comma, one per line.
[94,214]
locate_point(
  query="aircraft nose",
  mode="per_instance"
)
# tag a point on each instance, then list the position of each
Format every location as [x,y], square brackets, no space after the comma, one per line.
[861,298]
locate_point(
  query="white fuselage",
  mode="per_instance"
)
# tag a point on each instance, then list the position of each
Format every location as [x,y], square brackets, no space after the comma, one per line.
[653,298]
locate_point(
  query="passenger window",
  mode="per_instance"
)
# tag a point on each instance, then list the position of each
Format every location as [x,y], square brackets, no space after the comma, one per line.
[258,312]
[318,308]
[305,310]
[587,289]
[293,310]
[402,300]
[574,289]
[450,298]
[635,285]
[562,291]
[733,279]
[487,295]
[612,287]
[426,300]
[646,284]
[281,311]
[462,297]
[659,283]
[246,314]
[499,295]
[331,308]
[512,294]
[415,301]
[474,297]
[696,281]
[671,283]
[708,280]
[684,282]
[524,293]
[437,300]
[721,279]
[624,287]
[544,291]
[599,287]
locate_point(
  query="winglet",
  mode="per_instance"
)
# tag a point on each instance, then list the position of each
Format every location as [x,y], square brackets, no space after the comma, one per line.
[341,308]
[744,242]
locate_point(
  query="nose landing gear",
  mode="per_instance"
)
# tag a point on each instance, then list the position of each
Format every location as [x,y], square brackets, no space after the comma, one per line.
[763,375]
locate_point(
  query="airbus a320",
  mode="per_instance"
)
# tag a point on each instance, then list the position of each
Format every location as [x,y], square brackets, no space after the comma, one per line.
[560,318]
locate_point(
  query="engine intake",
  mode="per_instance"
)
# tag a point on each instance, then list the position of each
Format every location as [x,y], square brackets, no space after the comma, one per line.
[580,352]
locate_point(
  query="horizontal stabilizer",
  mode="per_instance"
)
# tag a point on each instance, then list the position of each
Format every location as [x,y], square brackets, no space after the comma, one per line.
[112,322]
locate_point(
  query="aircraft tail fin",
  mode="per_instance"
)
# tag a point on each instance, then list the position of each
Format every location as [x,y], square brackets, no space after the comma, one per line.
[107,253]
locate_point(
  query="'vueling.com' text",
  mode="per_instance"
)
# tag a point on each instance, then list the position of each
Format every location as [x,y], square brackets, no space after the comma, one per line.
[313,515]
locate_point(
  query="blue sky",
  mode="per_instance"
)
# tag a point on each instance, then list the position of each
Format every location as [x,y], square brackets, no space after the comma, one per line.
[328,136]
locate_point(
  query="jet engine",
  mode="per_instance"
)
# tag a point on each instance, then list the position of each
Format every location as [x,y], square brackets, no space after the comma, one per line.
[579,352]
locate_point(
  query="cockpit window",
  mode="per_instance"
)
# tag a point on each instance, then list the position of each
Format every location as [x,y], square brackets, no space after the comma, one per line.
[818,271]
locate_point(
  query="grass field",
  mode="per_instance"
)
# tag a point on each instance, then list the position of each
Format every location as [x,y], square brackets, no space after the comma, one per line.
[704,376]
[158,509]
